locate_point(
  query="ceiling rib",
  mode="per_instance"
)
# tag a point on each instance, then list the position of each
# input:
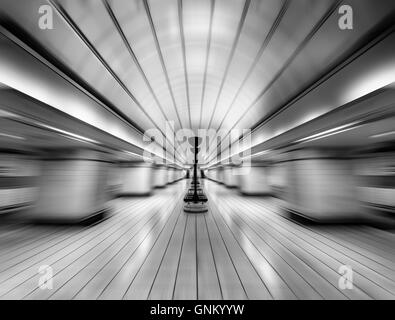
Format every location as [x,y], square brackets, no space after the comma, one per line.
[231,55]
[184,58]
[261,50]
[300,47]
[135,60]
[212,9]
[162,61]
[62,12]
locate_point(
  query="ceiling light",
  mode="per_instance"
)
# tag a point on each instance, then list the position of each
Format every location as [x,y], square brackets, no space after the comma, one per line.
[133,154]
[330,132]
[375,80]
[11,136]
[260,153]
[381,135]
[7,114]
[68,134]
[333,133]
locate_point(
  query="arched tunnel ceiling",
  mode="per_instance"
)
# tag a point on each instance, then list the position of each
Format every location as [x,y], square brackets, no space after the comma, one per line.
[221,64]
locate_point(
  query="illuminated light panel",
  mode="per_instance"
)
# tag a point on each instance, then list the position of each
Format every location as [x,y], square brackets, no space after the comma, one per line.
[68,134]
[374,81]
[311,116]
[133,154]
[331,132]
[382,135]
[261,153]
[11,136]
[8,115]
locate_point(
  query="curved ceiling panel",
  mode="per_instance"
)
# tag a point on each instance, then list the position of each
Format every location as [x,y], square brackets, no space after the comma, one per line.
[222,64]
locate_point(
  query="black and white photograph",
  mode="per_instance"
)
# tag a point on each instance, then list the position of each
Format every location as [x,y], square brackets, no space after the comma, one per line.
[201,151]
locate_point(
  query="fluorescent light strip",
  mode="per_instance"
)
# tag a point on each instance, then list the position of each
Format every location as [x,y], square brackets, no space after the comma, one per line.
[332,134]
[329,132]
[11,136]
[134,154]
[68,134]
[8,115]
[390,133]
[260,153]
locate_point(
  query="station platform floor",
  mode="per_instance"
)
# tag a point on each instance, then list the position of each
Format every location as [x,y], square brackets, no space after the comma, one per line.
[243,248]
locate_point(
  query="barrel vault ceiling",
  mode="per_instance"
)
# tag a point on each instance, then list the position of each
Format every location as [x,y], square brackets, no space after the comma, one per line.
[221,64]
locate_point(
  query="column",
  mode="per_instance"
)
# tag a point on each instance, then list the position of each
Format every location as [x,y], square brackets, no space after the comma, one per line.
[160,176]
[321,186]
[230,176]
[256,181]
[136,178]
[170,175]
[18,182]
[72,187]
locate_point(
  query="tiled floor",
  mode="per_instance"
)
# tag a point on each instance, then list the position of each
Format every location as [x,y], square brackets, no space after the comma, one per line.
[243,248]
